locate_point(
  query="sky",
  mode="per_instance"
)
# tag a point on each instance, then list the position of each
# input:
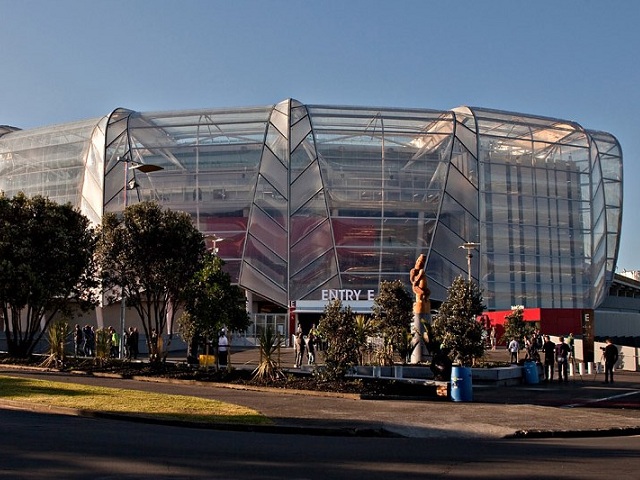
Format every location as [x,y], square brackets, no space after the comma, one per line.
[68,60]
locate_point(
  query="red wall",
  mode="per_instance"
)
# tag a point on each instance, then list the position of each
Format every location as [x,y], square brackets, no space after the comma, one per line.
[551,321]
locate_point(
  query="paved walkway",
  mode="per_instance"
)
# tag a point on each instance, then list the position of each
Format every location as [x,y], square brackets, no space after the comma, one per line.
[585,406]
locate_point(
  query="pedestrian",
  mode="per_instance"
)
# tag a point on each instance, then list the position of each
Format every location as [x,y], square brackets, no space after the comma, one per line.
[571,345]
[115,342]
[223,349]
[126,343]
[492,338]
[513,348]
[610,360]
[311,348]
[562,358]
[135,339]
[153,351]
[87,334]
[78,340]
[299,349]
[549,349]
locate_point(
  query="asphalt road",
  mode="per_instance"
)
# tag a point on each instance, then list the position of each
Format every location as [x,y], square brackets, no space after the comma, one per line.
[46,447]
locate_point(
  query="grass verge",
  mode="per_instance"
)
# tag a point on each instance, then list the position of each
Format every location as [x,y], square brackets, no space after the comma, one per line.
[130,402]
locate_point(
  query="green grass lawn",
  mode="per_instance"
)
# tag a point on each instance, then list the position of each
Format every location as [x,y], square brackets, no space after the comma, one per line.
[130,402]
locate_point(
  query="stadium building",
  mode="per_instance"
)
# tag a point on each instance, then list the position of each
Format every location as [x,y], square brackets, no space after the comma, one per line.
[306,203]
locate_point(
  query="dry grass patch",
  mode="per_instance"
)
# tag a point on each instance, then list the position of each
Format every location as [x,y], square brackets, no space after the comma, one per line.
[132,402]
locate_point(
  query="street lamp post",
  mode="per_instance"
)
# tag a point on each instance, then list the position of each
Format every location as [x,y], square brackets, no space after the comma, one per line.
[469,246]
[144,168]
[214,239]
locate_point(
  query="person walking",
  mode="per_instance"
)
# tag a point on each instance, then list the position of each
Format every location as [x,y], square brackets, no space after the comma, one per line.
[492,338]
[549,349]
[610,359]
[562,357]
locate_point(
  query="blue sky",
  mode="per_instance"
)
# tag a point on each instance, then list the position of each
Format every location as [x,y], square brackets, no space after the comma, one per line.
[68,60]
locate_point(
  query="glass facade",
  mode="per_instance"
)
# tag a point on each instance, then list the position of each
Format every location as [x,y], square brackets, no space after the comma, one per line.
[310,199]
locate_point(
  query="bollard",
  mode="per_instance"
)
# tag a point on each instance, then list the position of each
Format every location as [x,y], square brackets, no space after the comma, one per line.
[571,372]
[581,369]
[589,368]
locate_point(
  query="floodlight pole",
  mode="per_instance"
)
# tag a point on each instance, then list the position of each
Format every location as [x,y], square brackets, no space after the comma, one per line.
[469,246]
[144,168]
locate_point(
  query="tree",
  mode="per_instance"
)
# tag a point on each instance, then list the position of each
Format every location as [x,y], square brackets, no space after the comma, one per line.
[455,329]
[392,311]
[212,303]
[516,327]
[338,326]
[149,255]
[46,267]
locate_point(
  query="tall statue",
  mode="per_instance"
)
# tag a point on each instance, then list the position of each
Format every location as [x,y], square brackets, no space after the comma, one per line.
[419,286]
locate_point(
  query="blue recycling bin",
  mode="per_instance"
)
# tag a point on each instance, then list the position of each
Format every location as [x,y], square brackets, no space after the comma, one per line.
[461,384]
[531,373]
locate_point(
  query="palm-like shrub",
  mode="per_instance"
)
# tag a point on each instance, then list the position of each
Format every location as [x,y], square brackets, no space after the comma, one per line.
[58,333]
[103,345]
[268,368]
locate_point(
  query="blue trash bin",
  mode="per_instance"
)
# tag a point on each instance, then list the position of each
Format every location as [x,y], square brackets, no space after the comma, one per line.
[531,373]
[461,385]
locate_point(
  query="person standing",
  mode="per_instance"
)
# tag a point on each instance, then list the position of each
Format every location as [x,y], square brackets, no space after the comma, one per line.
[549,349]
[562,357]
[135,339]
[513,348]
[492,338]
[299,349]
[311,348]
[77,340]
[223,349]
[87,334]
[610,359]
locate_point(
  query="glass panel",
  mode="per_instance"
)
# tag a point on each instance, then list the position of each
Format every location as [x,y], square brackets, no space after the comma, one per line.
[281,122]
[299,131]
[311,214]
[316,294]
[305,186]
[270,201]
[302,156]
[275,172]
[463,191]
[267,262]
[262,284]
[277,143]
[268,232]
[468,139]
[311,247]
[313,275]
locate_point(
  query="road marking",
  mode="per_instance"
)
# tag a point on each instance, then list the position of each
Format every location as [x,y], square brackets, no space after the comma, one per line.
[596,400]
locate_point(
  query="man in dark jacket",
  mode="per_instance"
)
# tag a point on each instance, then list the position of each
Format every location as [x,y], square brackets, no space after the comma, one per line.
[610,359]
[562,357]
[549,349]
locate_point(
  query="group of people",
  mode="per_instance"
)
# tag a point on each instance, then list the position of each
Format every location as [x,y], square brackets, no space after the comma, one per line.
[558,355]
[305,343]
[84,342]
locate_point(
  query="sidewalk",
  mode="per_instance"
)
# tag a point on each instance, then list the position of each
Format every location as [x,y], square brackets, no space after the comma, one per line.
[582,407]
